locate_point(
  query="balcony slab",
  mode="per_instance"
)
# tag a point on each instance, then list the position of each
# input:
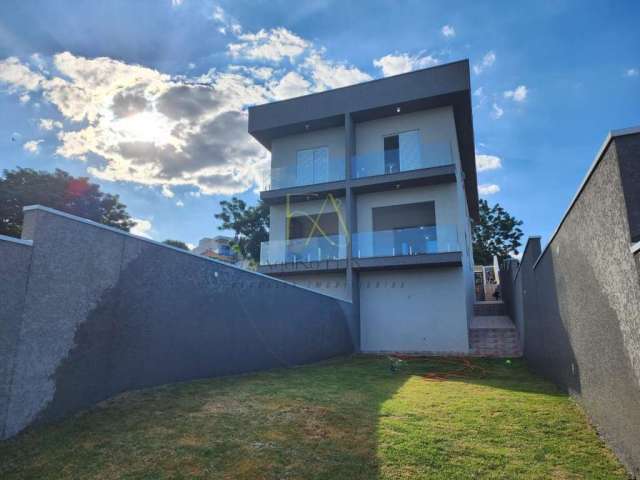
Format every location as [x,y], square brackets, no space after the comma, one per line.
[447,259]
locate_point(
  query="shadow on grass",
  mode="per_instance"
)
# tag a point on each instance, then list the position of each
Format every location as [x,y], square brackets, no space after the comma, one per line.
[343,419]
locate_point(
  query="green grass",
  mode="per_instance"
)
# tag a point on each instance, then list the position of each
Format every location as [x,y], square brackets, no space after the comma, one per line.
[345,419]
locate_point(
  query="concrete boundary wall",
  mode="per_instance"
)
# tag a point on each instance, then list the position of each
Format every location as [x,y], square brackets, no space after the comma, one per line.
[97,311]
[15,260]
[578,301]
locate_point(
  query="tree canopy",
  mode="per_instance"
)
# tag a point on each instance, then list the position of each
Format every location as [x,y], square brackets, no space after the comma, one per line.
[250,224]
[497,233]
[177,244]
[60,190]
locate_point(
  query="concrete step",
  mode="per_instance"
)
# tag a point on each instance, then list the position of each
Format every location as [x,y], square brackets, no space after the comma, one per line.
[494,342]
[489,308]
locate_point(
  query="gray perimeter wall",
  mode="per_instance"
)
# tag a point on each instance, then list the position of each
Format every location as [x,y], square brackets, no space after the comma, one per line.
[579,303]
[101,312]
[15,257]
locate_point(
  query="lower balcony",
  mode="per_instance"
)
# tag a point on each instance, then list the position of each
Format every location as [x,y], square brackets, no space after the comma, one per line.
[303,255]
[416,247]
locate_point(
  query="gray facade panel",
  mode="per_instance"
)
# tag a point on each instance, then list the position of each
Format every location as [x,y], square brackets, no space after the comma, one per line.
[107,312]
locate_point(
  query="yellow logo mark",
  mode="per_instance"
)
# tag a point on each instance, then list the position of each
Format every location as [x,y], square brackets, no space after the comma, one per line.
[315,219]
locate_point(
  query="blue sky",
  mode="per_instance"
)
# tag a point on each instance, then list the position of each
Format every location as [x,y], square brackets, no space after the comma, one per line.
[149,98]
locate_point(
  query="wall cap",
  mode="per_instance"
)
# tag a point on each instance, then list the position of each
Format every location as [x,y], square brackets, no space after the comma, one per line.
[610,136]
[163,245]
[19,241]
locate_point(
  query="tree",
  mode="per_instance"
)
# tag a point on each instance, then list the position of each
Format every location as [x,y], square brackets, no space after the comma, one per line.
[250,224]
[177,244]
[497,233]
[59,190]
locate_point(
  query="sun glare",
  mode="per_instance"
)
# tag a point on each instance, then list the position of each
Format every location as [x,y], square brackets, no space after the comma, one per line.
[151,127]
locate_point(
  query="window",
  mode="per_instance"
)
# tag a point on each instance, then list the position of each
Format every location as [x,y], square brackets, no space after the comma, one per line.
[402,152]
[312,166]
[408,229]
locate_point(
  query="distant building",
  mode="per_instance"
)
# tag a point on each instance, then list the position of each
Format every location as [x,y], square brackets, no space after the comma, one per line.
[217,247]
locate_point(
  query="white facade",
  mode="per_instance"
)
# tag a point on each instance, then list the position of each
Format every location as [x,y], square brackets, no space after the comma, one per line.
[421,309]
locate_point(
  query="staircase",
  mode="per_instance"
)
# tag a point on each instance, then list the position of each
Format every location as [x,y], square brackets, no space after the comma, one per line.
[492,333]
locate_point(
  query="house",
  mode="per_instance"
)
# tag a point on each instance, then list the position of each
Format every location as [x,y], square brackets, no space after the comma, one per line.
[217,247]
[373,189]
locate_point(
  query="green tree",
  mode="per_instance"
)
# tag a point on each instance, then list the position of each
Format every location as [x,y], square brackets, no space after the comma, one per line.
[177,244]
[250,224]
[59,190]
[497,233]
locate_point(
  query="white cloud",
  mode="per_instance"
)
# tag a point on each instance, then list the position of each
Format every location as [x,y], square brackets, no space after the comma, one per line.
[167,192]
[487,162]
[49,124]
[142,227]
[137,124]
[478,92]
[24,98]
[328,74]
[227,23]
[394,64]
[176,3]
[272,45]
[448,31]
[496,111]
[180,203]
[19,76]
[632,72]
[517,95]
[32,146]
[291,85]
[150,128]
[487,61]
[488,189]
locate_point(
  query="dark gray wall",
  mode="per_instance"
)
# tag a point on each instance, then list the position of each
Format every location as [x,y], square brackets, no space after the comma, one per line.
[15,256]
[106,312]
[581,304]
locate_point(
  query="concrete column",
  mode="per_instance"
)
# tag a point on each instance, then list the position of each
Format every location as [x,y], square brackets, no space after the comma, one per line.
[353,284]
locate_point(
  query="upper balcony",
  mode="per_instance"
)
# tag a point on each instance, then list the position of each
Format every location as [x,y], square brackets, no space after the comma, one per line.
[404,162]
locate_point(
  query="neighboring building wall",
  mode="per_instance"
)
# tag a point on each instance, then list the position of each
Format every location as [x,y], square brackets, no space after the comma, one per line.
[105,312]
[414,311]
[334,284]
[581,302]
[15,258]
[284,150]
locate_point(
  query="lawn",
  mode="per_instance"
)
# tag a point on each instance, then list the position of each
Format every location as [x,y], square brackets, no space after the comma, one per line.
[345,419]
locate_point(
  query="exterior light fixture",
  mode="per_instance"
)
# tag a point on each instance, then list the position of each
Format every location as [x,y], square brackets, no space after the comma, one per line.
[397,109]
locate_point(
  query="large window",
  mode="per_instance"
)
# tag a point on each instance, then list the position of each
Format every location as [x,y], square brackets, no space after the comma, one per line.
[402,152]
[312,166]
[408,229]
[313,237]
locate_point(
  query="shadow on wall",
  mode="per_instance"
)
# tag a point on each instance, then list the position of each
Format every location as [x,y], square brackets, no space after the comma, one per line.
[579,302]
[548,348]
[106,312]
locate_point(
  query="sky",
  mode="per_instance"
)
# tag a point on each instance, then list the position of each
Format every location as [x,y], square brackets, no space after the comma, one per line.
[149,98]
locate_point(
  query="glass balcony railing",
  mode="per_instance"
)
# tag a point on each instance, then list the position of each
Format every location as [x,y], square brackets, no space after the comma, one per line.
[310,249]
[402,159]
[406,241]
[298,176]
